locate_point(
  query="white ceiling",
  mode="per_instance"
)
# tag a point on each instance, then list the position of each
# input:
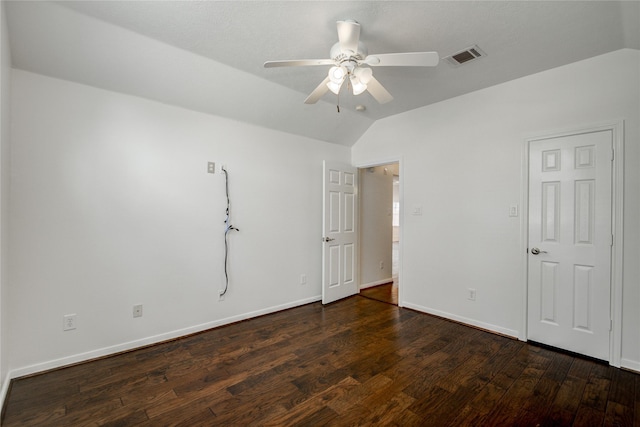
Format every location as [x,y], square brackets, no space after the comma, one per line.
[207,55]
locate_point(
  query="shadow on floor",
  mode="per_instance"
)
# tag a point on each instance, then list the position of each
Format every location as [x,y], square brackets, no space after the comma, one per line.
[385,293]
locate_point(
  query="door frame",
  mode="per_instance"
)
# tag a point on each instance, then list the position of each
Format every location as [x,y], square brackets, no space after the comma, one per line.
[617,196]
[371,164]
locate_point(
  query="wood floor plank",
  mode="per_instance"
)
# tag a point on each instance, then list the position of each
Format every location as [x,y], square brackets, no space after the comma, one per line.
[546,389]
[387,292]
[312,410]
[244,412]
[96,413]
[511,372]
[567,401]
[489,369]
[365,367]
[413,333]
[312,383]
[596,391]
[636,417]
[277,376]
[173,408]
[618,415]
[45,415]
[383,412]
[431,405]
[478,408]
[354,362]
[126,418]
[456,350]
[587,416]
[344,403]
[622,389]
[580,368]
[485,360]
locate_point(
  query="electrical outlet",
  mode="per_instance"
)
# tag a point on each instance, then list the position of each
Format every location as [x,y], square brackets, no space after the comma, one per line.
[137,310]
[303,279]
[211,167]
[513,210]
[472,294]
[68,322]
[381,265]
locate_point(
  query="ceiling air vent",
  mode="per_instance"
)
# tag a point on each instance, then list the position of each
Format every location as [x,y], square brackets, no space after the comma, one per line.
[467,55]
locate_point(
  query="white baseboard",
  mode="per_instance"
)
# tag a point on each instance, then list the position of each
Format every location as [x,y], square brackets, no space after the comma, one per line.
[5,389]
[471,322]
[630,364]
[376,283]
[132,345]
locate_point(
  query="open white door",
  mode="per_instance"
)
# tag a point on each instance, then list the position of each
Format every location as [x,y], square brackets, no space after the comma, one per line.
[339,231]
[570,238]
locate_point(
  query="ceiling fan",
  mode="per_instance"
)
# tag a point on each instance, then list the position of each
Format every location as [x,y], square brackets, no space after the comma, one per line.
[350,62]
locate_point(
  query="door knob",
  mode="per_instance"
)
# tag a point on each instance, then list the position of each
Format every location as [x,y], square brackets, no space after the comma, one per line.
[327,239]
[537,251]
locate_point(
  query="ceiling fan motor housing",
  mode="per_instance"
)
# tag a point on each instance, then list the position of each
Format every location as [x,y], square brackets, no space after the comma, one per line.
[338,55]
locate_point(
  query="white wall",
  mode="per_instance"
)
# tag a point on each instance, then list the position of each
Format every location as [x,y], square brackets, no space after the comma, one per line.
[462,164]
[112,206]
[5,83]
[376,202]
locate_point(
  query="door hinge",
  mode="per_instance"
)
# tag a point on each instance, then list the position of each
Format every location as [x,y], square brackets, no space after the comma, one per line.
[613,154]
[610,325]
[611,240]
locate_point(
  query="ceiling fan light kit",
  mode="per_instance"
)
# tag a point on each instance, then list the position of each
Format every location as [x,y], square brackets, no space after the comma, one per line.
[357,86]
[350,59]
[336,78]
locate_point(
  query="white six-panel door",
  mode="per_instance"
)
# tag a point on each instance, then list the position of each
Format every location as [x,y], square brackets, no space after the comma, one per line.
[570,238]
[340,183]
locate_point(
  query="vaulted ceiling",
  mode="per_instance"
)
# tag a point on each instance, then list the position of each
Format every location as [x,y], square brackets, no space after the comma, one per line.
[208,55]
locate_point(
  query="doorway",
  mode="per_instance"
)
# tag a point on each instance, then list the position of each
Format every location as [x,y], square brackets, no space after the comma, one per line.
[380,232]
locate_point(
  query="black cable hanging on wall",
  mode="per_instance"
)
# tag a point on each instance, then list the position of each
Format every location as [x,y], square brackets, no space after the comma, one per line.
[227,229]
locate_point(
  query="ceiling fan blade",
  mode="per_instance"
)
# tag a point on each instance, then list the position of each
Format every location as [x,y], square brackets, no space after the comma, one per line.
[408,59]
[318,92]
[298,62]
[378,91]
[348,35]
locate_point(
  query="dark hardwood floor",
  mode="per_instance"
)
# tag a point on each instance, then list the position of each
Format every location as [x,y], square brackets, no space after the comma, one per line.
[385,293]
[354,362]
